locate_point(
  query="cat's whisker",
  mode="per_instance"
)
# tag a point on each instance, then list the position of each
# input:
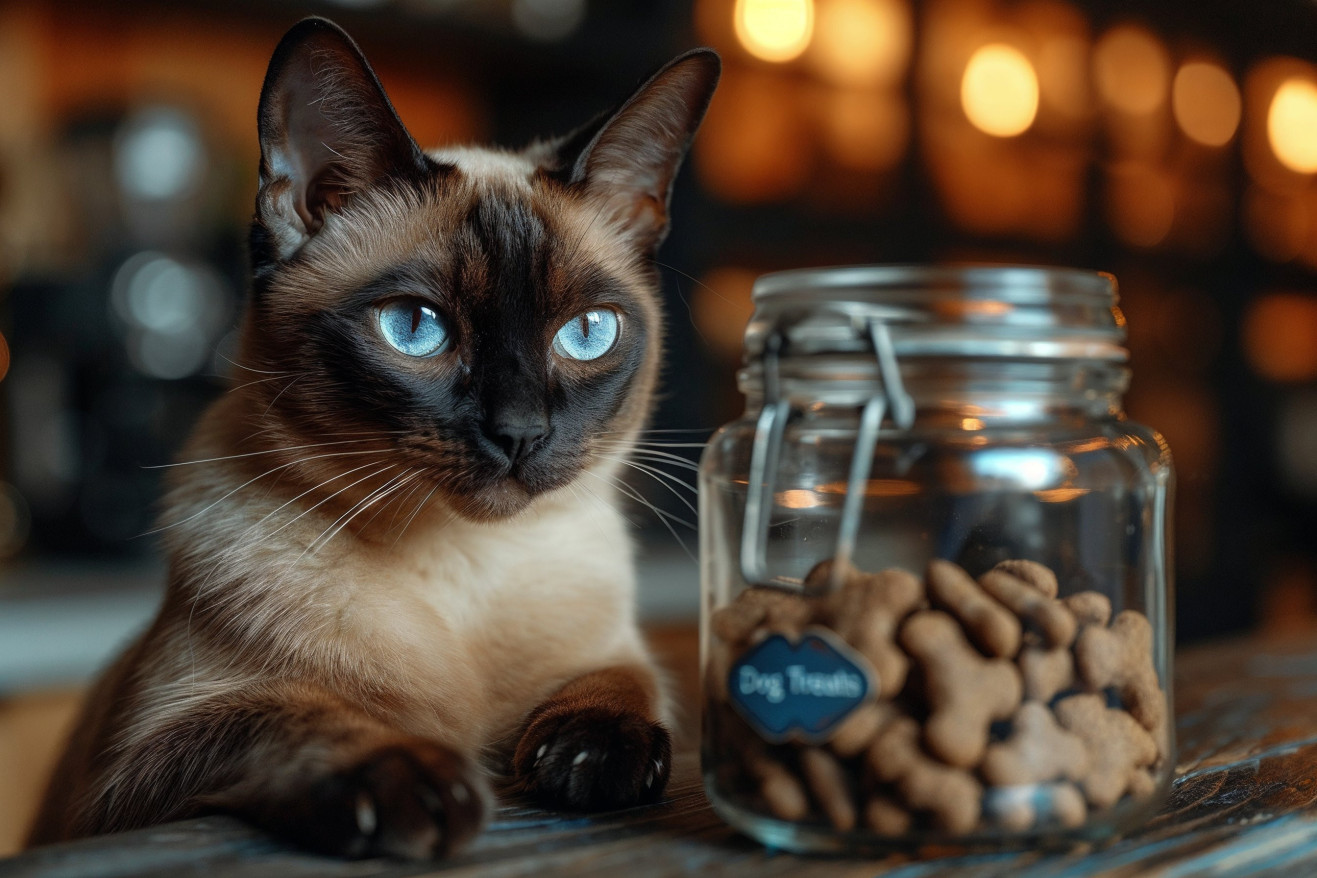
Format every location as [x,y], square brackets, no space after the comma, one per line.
[663,479]
[324,500]
[255,454]
[639,498]
[415,512]
[707,430]
[400,502]
[273,512]
[661,457]
[644,444]
[394,494]
[693,279]
[662,515]
[245,484]
[281,393]
[252,383]
[246,368]
[346,518]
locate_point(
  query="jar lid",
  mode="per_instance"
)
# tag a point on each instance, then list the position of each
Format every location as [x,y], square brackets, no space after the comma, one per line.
[1013,312]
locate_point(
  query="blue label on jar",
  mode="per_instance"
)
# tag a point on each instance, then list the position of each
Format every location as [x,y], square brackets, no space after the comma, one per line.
[802,690]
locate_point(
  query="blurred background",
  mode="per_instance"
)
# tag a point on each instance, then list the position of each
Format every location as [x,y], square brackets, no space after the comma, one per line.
[1173,144]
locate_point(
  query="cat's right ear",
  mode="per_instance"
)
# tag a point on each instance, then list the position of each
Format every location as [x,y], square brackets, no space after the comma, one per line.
[327,130]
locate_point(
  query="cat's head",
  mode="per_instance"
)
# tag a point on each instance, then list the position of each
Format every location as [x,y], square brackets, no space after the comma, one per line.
[490,317]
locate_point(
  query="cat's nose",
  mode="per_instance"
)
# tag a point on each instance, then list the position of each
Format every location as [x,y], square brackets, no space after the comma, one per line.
[518,436]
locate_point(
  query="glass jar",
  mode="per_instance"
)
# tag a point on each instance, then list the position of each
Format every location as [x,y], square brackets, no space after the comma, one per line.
[935,565]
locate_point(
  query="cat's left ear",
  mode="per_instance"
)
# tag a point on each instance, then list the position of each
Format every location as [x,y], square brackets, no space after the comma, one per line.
[630,158]
[327,131]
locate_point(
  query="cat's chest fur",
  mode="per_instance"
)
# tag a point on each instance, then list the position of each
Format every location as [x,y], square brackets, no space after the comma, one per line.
[450,628]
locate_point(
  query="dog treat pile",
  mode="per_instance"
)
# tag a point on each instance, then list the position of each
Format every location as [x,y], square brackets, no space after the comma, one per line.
[1000,706]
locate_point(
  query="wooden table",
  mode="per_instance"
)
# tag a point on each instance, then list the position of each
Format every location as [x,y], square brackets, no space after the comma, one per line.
[1244,803]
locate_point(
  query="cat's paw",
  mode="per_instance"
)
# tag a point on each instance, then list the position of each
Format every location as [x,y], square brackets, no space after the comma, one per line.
[412,801]
[593,760]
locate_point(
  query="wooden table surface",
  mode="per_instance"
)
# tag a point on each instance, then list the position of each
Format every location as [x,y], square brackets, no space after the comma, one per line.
[1244,803]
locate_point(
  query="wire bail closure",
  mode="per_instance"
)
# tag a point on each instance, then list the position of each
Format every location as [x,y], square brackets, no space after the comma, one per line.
[767,447]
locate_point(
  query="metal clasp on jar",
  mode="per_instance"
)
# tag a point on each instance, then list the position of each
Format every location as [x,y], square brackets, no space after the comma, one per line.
[766,450]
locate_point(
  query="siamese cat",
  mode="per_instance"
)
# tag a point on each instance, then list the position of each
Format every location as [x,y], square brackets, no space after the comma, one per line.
[394,557]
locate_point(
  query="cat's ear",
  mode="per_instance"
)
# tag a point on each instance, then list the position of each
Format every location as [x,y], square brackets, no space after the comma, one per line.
[630,158]
[327,130]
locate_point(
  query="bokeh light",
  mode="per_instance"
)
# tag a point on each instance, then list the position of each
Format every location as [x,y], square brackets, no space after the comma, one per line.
[1280,336]
[547,20]
[863,130]
[1206,103]
[173,310]
[721,306]
[755,145]
[1292,124]
[774,30]
[159,154]
[1132,69]
[862,42]
[1277,225]
[999,91]
[1140,204]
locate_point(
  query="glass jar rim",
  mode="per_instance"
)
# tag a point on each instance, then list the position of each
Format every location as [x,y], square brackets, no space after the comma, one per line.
[971,311]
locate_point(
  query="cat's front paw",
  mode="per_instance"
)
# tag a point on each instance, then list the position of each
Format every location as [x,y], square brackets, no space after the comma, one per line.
[593,760]
[412,801]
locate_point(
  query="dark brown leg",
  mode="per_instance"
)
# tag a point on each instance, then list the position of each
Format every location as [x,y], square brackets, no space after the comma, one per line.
[305,766]
[596,744]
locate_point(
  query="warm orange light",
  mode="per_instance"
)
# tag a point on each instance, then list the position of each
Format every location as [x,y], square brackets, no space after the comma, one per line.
[862,42]
[774,30]
[864,130]
[1131,68]
[1140,204]
[754,145]
[999,91]
[1292,124]
[1063,75]
[1206,103]
[798,498]
[721,306]
[1280,336]
[1277,225]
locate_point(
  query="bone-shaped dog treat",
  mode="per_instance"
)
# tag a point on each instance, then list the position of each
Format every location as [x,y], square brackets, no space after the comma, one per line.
[995,629]
[965,691]
[827,782]
[886,816]
[1117,746]
[951,795]
[780,789]
[1038,750]
[1047,615]
[1121,656]
[866,612]
[1089,607]
[1046,671]
[858,730]
[759,607]
[1035,574]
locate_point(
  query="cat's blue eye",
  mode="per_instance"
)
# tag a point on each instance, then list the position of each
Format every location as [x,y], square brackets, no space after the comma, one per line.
[588,336]
[414,328]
